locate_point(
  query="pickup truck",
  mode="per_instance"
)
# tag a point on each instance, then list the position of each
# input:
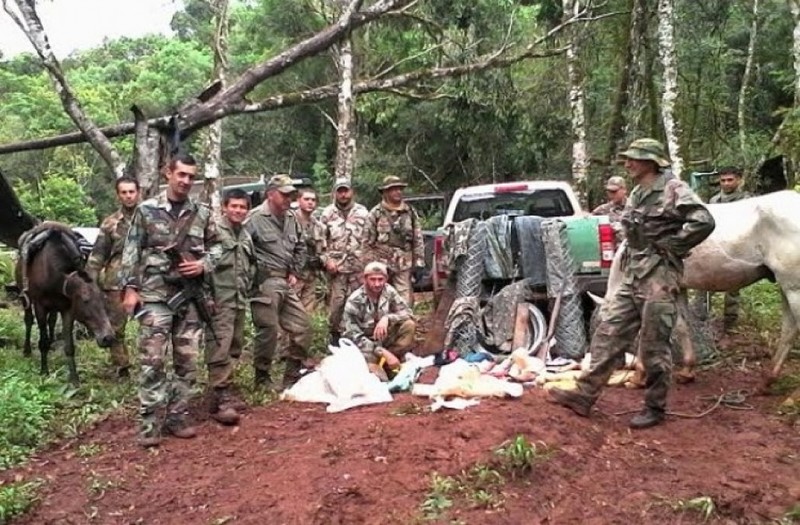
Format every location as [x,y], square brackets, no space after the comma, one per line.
[591,238]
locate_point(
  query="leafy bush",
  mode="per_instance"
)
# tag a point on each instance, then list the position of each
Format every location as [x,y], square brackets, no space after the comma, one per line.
[57,198]
[25,410]
[16,499]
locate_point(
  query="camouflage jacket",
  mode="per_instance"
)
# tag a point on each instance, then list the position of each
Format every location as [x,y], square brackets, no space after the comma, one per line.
[105,261]
[722,197]
[343,235]
[153,228]
[279,244]
[361,315]
[313,235]
[394,237]
[662,223]
[235,272]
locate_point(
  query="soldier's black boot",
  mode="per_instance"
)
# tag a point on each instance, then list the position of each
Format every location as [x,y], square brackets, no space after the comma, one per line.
[648,417]
[291,374]
[221,407]
[176,425]
[262,379]
[579,403]
[333,338]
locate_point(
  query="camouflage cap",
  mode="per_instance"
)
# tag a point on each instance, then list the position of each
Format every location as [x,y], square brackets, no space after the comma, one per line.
[615,183]
[342,182]
[376,267]
[647,149]
[392,181]
[282,183]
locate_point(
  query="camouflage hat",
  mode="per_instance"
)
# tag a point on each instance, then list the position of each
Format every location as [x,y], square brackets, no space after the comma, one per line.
[282,183]
[615,183]
[647,149]
[392,182]
[376,267]
[342,182]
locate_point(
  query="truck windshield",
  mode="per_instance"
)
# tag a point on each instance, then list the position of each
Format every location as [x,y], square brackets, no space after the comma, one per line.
[543,203]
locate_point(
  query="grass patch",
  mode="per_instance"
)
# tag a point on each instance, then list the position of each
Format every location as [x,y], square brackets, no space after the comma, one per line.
[17,498]
[702,506]
[760,306]
[481,486]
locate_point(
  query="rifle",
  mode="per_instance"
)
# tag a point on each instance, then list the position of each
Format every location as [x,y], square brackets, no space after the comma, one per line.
[192,290]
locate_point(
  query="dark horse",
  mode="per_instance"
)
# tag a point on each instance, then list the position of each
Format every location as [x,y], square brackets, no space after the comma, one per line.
[58,283]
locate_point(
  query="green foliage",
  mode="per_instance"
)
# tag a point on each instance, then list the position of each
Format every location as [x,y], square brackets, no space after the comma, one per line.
[761,308]
[518,457]
[57,198]
[7,265]
[702,505]
[34,409]
[16,499]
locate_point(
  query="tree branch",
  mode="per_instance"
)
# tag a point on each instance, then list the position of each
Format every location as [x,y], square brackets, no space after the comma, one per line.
[31,25]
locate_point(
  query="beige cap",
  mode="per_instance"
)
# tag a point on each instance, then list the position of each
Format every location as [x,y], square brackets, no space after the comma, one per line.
[615,183]
[376,267]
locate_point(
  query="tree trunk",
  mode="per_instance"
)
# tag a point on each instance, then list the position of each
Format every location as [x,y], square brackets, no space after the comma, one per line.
[346,110]
[580,159]
[213,139]
[748,69]
[666,39]
[616,123]
[794,6]
[31,25]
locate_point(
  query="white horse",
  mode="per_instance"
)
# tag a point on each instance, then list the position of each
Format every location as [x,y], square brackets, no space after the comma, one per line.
[754,239]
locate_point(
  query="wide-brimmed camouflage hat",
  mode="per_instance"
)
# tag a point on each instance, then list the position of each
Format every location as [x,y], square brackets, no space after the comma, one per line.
[647,149]
[393,182]
[282,183]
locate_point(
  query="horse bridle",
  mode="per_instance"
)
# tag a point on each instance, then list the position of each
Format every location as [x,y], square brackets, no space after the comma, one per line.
[64,284]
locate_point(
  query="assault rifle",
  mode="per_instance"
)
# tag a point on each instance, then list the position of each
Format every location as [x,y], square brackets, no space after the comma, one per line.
[191,291]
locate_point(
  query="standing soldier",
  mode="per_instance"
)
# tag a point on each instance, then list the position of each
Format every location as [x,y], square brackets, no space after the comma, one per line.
[306,287]
[393,237]
[172,240]
[343,223]
[663,222]
[617,193]
[104,266]
[280,254]
[233,279]
[730,181]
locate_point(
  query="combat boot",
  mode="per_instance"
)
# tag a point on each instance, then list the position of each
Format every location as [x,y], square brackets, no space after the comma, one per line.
[262,379]
[177,426]
[149,436]
[648,417]
[291,374]
[579,403]
[221,408]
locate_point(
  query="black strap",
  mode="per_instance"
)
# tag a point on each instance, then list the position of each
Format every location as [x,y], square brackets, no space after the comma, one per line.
[184,229]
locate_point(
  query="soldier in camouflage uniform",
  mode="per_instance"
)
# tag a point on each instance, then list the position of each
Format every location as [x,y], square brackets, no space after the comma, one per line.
[663,221]
[379,321]
[730,181]
[617,193]
[147,276]
[104,266]
[233,280]
[393,236]
[306,287]
[343,223]
[280,255]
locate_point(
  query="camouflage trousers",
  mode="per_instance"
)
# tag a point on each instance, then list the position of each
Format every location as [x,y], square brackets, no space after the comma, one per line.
[276,306]
[646,307]
[220,354]
[306,290]
[118,319]
[160,329]
[399,339]
[340,286]
[401,280]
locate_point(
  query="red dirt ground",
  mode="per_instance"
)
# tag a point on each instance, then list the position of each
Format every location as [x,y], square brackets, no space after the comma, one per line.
[293,463]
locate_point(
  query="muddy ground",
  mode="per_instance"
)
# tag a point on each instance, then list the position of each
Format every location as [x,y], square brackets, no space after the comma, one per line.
[293,463]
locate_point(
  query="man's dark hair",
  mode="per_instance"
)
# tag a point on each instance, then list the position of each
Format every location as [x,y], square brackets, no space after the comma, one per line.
[183,158]
[732,170]
[235,193]
[126,179]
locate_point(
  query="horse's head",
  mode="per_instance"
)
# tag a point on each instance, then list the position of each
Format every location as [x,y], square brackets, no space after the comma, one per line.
[88,306]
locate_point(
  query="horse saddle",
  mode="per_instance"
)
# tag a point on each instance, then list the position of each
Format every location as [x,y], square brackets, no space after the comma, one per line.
[77,247]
